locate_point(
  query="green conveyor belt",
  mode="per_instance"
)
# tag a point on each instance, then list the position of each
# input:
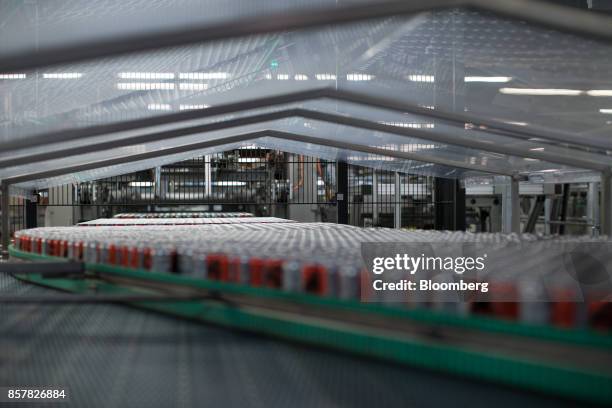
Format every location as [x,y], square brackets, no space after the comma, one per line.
[556,379]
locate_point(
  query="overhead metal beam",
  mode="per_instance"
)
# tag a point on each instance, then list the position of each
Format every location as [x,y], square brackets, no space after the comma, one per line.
[421,158]
[494,127]
[562,18]
[428,135]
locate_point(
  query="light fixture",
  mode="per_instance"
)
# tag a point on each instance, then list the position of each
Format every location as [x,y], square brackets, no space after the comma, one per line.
[501,79]
[540,91]
[141,184]
[599,92]
[145,86]
[191,107]
[146,75]
[607,110]
[62,75]
[421,78]
[325,77]
[282,77]
[359,77]
[537,149]
[250,160]
[190,86]
[159,106]
[12,76]
[516,123]
[300,77]
[229,183]
[410,125]
[204,75]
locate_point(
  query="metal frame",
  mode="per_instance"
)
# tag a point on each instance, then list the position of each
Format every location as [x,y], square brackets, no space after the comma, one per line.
[325,117]
[244,138]
[494,127]
[544,14]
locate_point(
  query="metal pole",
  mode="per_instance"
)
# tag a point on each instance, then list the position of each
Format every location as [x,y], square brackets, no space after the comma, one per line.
[207,177]
[374,198]
[342,195]
[606,203]
[510,207]
[548,203]
[593,207]
[398,202]
[6,230]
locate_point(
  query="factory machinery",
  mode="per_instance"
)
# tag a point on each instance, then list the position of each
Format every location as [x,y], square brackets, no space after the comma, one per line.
[306,282]
[410,110]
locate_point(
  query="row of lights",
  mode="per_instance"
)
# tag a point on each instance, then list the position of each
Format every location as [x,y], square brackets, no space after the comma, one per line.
[167,107]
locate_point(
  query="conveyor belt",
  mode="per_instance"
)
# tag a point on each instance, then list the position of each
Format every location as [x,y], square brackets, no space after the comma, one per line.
[117,356]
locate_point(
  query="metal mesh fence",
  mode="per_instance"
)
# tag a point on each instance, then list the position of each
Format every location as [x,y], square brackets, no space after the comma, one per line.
[260,181]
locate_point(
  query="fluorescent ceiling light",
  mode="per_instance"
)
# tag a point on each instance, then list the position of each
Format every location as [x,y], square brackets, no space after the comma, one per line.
[250,160]
[229,183]
[268,76]
[12,76]
[190,86]
[141,184]
[359,77]
[145,86]
[146,75]
[410,125]
[62,75]
[537,149]
[300,77]
[516,123]
[191,107]
[428,106]
[548,170]
[282,77]
[421,78]
[204,75]
[325,77]
[608,110]
[502,79]
[540,91]
[159,106]
[599,92]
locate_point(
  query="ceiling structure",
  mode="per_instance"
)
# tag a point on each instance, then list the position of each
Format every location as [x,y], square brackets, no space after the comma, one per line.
[446,88]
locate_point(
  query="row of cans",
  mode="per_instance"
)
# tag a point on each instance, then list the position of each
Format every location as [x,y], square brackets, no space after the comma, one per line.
[187,214]
[181,221]
[318,258]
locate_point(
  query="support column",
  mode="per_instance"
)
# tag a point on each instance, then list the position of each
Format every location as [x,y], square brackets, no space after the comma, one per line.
[593,207]
[6,230]
[207,177]
[157,182]
[342,192]
[449,204]
[397,216]
[374,197]
[606,203]
[31,212]
[548,204]
[511,207]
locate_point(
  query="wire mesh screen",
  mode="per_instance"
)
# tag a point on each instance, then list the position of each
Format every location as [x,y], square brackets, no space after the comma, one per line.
[261,181]
[17,217]
[387,199]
